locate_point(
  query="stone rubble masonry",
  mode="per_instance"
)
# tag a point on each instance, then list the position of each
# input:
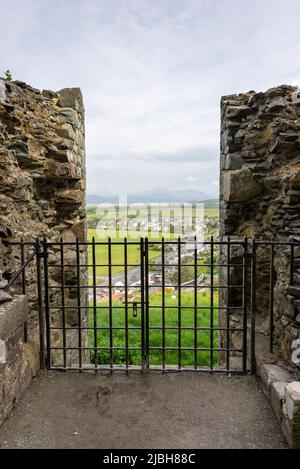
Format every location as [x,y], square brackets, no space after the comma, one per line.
[19,362]
[259,166]
[284,394]
[42,185]
[260,197]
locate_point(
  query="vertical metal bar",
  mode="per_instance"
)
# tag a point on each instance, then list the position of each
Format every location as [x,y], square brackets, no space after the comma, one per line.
[195,306]
[253,304]
[24,284]
[110,307]
[62,283]
[179,300]
[126,301]
[245,301]
[227,306]
[22,263]
[211,302]
[272,281]
[292,253]
[147,319]
[40,303]
[163,280]
[148,220]
[142,283]
[47,310]
[95,304]
[79,303]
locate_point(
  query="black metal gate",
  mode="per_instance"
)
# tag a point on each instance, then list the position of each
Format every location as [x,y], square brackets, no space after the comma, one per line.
[146,305]
[165,305]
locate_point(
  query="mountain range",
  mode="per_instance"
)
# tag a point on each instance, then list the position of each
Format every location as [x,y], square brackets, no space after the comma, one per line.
[154,196]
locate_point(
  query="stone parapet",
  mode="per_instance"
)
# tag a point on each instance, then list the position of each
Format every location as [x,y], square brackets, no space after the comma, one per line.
[284,394]
[260,197]
[42,185]
[19,362]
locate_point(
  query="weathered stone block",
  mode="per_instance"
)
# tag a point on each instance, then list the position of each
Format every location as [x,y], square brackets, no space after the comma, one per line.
[3,351]
[237,112]
[292,404]
[49,94]
[31,355]
[66,131]
[233,161]
[71,116]
[2,92]
[4,296]
[23,190]
[69,196]
[277,105]
[13,314]
[239,186]
[70,97]
[277,390]
[273,373]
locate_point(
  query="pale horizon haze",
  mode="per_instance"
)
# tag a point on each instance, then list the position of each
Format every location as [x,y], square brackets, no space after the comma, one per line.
[152,74]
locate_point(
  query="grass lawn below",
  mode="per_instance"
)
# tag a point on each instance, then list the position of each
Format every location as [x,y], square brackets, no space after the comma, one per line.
[117,253]
[188,337]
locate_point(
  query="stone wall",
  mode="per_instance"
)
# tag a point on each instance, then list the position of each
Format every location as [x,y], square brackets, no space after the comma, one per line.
[260,196]
[19,362]
[42,180]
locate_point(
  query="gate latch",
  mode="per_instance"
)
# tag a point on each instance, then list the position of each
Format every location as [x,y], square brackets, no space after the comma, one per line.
[134,309]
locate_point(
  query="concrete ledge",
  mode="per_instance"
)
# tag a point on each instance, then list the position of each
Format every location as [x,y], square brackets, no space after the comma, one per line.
[291,411]
[284,395]
[13,314]
[271,374]
[19,361]
[283,390]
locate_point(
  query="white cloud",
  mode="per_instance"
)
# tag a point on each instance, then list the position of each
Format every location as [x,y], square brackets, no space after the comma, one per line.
[190,179]
[152,74]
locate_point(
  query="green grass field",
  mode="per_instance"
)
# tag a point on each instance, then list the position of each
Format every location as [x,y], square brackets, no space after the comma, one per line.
[156,335]
[133,255]
[211,212]
[117,253]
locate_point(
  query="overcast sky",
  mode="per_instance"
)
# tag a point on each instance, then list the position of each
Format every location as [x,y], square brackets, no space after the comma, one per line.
[152,73]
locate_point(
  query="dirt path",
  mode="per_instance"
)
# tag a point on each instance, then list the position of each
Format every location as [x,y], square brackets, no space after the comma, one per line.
[72,410]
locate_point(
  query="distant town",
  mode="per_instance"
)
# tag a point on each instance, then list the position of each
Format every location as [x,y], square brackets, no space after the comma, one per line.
[104,221]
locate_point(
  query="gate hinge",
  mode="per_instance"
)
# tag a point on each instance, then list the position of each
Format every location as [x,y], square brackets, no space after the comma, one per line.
[247,254]
[42,255]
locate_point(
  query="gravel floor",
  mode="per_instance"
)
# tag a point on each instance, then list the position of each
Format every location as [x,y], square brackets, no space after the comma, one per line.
[72,410]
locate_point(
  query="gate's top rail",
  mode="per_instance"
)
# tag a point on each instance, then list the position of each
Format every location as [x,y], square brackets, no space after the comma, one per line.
[150,241]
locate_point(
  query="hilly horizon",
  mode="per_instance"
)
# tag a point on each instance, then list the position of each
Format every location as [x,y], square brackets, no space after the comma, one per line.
[154,196]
